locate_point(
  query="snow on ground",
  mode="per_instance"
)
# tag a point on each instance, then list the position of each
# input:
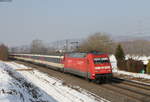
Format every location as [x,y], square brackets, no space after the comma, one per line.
[17,85]
[131,74]
[113,61]
[15,88]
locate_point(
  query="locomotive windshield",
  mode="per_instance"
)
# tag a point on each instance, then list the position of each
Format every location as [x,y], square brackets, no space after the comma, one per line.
[101,60]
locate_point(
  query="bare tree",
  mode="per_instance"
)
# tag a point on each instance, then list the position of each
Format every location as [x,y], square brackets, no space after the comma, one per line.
[38,47]
[97,42]
[3,52]
[136,47]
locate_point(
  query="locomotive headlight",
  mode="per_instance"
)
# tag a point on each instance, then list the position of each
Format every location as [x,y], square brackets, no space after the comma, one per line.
[97,67]
[103,67]
[107,67]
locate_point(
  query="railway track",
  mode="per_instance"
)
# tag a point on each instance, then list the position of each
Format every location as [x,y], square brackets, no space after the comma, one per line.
[130,95]
[135,90]
[131,91]
[140,85]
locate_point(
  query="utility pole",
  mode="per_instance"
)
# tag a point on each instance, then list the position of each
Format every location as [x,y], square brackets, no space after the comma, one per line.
[76,43]
[67,45]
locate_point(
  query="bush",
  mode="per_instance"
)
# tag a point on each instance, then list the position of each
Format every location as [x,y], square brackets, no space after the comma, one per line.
[3,52]
[148,68]
[122,65]
[134,66]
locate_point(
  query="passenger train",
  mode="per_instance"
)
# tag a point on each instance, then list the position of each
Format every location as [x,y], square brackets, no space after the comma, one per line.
[92,66]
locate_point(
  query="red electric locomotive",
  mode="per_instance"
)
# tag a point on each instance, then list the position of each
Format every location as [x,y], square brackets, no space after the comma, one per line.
[89,65]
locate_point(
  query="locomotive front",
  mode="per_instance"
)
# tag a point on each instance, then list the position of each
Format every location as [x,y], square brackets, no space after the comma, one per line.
[101,66]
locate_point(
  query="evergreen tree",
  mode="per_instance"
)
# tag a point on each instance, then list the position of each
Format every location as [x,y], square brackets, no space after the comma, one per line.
[119,54]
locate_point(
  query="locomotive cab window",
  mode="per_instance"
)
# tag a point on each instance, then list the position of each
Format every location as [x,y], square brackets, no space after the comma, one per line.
[101,60]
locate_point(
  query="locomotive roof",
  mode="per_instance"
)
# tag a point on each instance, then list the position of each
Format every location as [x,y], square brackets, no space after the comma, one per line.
[82,54]
[92,52]
[77,54]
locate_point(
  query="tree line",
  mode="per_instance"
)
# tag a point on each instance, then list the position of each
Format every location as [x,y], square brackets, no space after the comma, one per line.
[97,41]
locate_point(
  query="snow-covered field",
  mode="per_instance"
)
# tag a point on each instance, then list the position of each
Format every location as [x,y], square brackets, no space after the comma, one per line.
[130,74]
[18,83]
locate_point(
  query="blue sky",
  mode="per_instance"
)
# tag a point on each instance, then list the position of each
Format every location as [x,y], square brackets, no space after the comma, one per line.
[49,20]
